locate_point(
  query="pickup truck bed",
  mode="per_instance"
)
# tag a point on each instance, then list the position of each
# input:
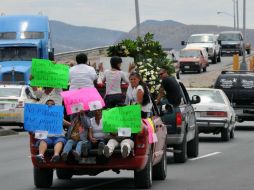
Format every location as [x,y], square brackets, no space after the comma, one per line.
[148,161]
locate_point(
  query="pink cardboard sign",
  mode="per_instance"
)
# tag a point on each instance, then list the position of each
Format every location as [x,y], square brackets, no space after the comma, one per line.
[81,96]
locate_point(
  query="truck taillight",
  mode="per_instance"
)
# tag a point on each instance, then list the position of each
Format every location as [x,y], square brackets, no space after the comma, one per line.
[140,142]
[179,119]
[20,104]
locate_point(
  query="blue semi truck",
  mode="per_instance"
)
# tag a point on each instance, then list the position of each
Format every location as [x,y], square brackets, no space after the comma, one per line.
[23,37]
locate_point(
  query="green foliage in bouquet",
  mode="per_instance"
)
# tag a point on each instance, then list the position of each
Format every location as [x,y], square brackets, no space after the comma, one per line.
[148,56]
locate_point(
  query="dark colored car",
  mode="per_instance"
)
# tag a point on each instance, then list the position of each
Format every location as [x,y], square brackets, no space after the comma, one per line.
[239,88]
[231,42]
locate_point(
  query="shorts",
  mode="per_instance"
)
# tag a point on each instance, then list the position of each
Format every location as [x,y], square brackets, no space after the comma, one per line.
[51,141]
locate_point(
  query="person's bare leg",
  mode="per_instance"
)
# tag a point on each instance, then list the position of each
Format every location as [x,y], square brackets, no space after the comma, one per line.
[58,148]
[43,147]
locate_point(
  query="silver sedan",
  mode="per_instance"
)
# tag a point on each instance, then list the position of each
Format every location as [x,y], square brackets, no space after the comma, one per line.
[214,114]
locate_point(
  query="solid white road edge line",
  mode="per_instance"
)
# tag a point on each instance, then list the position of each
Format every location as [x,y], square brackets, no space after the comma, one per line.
[204,156]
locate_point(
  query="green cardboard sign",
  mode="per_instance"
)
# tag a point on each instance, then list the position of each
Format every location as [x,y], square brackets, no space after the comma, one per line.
[122,117]
[47,74]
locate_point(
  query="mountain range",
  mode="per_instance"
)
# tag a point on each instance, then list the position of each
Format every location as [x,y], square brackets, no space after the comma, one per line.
[169,33]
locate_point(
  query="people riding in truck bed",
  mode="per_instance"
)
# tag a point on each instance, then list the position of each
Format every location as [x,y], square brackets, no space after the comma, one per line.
[113,78]
[77,136]
[52,141]
[171,87]
[137,93]
[82,75]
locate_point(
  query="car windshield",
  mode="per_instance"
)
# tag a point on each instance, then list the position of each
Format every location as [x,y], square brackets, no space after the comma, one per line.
[17,53]
[207,96]
[7,92]
[190,53]
[229,37]
[200,39]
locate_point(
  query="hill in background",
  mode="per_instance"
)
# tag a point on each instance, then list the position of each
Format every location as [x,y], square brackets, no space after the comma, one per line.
[67,37]
[169,33]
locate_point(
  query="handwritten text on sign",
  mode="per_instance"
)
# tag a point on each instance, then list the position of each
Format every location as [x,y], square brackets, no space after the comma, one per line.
[44,118]
[122,117]
[83,95]
[47,74]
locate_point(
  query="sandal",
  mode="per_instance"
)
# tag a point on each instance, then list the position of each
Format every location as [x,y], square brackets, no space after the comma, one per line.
[55,159]
[40,158]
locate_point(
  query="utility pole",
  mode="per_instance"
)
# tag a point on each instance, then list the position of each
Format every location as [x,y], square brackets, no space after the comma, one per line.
[137,18]
[237,15]
[243,65]
[234,14]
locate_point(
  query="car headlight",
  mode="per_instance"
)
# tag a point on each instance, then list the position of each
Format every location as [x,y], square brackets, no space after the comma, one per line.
[210,50]
[237,45]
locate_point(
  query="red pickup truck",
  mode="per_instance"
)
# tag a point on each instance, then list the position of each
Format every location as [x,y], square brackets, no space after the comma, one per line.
[148,160]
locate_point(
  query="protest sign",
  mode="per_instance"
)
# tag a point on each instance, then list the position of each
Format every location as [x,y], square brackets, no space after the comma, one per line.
[81,96]
[38,117]
[122,117]
[47,74]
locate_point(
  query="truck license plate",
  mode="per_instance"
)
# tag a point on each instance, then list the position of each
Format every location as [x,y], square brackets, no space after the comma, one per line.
[187,67]
[88,160]
[238,112]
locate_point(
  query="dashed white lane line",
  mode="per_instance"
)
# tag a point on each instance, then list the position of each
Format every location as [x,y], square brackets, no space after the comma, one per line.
[206,155]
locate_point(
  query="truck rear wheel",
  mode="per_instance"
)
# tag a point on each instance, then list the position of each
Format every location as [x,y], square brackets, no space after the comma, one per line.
[43,177]
[143,178]
[160,169]
[63,174]
[192,146]
[181,156]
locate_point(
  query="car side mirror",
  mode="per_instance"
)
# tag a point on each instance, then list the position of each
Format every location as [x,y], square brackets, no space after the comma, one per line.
[183,43]
[167,108]
[195,99]
[27,91]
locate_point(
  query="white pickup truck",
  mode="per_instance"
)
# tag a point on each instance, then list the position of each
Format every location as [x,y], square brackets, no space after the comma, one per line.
[207,41]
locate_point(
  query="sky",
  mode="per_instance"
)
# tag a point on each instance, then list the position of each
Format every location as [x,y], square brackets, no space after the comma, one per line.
[120,14]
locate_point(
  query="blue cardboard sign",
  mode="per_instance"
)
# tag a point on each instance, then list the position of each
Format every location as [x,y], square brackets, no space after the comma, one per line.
[43,117]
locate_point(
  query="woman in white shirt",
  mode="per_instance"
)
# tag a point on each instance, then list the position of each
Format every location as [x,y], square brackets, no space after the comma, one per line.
[137,93]
[97,134]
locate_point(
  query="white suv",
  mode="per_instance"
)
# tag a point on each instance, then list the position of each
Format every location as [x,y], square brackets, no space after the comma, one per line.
[207,41]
